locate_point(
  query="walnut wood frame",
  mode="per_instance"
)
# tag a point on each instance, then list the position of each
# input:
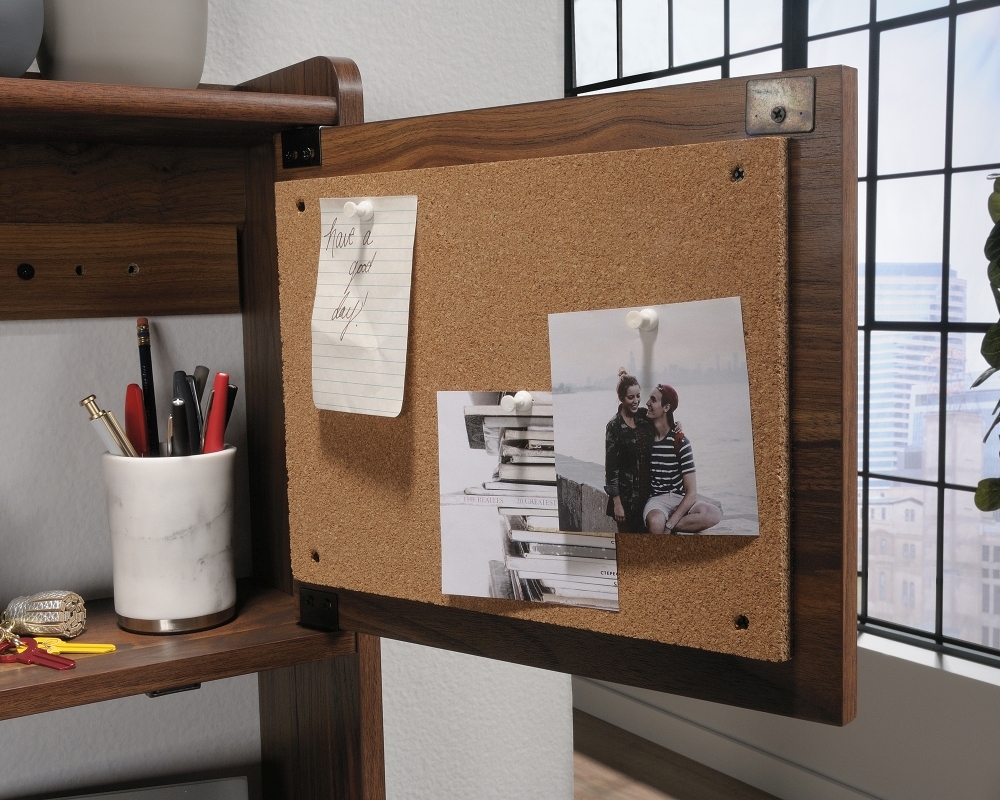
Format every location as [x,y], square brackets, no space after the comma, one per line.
[819,682]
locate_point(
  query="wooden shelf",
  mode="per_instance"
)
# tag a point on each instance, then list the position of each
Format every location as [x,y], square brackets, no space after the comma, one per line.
[263,636]
[61,110]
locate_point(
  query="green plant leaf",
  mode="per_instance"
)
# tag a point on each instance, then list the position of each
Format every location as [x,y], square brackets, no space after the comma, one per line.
[988,494]
[991,346]
[992,248]
[987,436]
[983,377]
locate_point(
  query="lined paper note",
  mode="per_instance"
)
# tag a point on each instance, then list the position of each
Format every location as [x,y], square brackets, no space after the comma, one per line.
[361,314]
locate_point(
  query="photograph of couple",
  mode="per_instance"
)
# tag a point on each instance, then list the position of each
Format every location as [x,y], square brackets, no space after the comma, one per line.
[625,461]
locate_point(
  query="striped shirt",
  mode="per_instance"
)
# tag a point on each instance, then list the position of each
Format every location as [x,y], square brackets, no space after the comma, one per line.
[666,470]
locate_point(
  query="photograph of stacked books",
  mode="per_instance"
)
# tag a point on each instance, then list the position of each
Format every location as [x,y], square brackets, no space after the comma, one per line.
[541,563]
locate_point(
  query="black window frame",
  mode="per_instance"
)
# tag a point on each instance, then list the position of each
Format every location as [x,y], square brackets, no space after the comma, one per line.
[794,49]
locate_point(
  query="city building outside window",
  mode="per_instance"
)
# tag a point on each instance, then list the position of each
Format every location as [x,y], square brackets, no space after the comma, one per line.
[928,122]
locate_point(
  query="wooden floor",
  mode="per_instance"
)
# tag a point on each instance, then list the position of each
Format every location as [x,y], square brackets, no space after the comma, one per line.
[613,764]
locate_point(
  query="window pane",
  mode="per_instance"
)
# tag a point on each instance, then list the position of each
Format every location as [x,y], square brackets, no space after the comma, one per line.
[645,36]
[768,61]
[861,511]
[909,219]
[970,414]
[969,595]
[977,88]
[902,551]
[862,216]
[861,402]
[753,24]
[834,15]
[698,29]
[970,225]
[707,74]
[596,31]
[903,404]
[913,66]
[898,8]
[852,50]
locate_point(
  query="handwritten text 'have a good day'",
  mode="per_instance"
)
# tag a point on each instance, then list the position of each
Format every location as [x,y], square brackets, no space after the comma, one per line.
[349,307]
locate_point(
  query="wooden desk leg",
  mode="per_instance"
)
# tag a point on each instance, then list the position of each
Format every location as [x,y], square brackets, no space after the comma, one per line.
[321,728]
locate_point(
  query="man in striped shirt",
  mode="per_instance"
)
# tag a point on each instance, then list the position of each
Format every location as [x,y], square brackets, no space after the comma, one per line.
[673,505]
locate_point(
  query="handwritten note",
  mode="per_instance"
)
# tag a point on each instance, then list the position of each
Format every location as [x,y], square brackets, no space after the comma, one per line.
[361,314]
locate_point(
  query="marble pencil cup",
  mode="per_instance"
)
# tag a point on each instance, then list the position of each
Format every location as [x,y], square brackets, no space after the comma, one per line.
[171,525]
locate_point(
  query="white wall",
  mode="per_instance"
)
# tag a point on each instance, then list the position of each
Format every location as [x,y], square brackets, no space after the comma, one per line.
[922,733]
[455,725]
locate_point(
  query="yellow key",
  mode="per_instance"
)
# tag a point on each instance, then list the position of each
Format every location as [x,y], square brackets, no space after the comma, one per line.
[59,647]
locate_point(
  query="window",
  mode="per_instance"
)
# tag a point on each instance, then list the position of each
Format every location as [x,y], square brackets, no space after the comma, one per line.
[929,110]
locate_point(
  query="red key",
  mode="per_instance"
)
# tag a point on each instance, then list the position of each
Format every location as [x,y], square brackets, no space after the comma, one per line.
[35,655]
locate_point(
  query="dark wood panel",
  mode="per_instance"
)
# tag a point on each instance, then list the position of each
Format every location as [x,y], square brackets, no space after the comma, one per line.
[117,270]
[372,736]
[261,332]
[671,773]
[103,112]
[819,681]
[320,76]
[262,370]
[46,182]
[263,636]
[310,729]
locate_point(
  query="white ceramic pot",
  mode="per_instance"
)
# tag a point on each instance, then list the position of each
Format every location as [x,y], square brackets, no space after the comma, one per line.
[20,33]
[171,525]
[136,42]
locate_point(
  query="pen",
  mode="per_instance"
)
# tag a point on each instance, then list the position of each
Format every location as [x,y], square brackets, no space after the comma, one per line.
[148,395]
[183,392]
[196,402]
[135,419]
[215,425]
[230,402]
[200,380]
[180,443]
[108,429]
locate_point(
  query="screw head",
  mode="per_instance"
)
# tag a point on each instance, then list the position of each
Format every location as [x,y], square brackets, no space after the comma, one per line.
[25,272]
[778,114]
[738,174]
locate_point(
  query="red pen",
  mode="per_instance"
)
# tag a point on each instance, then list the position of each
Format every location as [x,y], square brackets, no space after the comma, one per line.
[215,425]
[135,419]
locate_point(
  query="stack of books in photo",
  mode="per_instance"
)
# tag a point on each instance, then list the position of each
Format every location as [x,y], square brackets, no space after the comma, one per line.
[542,563]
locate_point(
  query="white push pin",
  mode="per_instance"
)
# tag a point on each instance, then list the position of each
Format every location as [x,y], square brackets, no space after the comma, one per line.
[519,403]
[644,320]
[364,209]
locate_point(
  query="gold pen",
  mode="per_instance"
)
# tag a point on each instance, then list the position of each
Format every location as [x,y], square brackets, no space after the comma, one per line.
[108,429]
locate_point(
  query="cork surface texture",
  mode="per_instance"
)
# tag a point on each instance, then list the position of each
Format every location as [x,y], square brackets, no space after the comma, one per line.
[498,247]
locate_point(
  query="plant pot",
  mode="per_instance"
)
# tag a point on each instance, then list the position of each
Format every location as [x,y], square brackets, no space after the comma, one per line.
[136,42]
[20,33]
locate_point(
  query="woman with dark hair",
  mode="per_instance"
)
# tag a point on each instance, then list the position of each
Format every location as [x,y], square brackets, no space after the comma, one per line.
[627,442]
[673,505]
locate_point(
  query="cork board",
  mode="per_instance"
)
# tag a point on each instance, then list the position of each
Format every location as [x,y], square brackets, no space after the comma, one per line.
[499,246]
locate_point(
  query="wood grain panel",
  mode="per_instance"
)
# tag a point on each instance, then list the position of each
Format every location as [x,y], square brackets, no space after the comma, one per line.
[70,111]
[819,682]
[263,636]
[372,735]
[102,183]
[320,76]
[118,270]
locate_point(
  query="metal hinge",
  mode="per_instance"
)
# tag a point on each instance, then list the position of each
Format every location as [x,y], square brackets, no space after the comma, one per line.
[301,147]
[781,105]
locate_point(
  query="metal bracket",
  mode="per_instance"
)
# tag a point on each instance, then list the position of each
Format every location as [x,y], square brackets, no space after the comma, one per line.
[781,105]
[301,147]
[318,609]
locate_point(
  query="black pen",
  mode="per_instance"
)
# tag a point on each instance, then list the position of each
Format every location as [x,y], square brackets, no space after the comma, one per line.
[148,394]
[193,388]
[230,402]
[183,392]
[180,443]
[200,380]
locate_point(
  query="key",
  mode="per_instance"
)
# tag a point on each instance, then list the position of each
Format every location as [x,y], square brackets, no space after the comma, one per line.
[56,646]
[33,654]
